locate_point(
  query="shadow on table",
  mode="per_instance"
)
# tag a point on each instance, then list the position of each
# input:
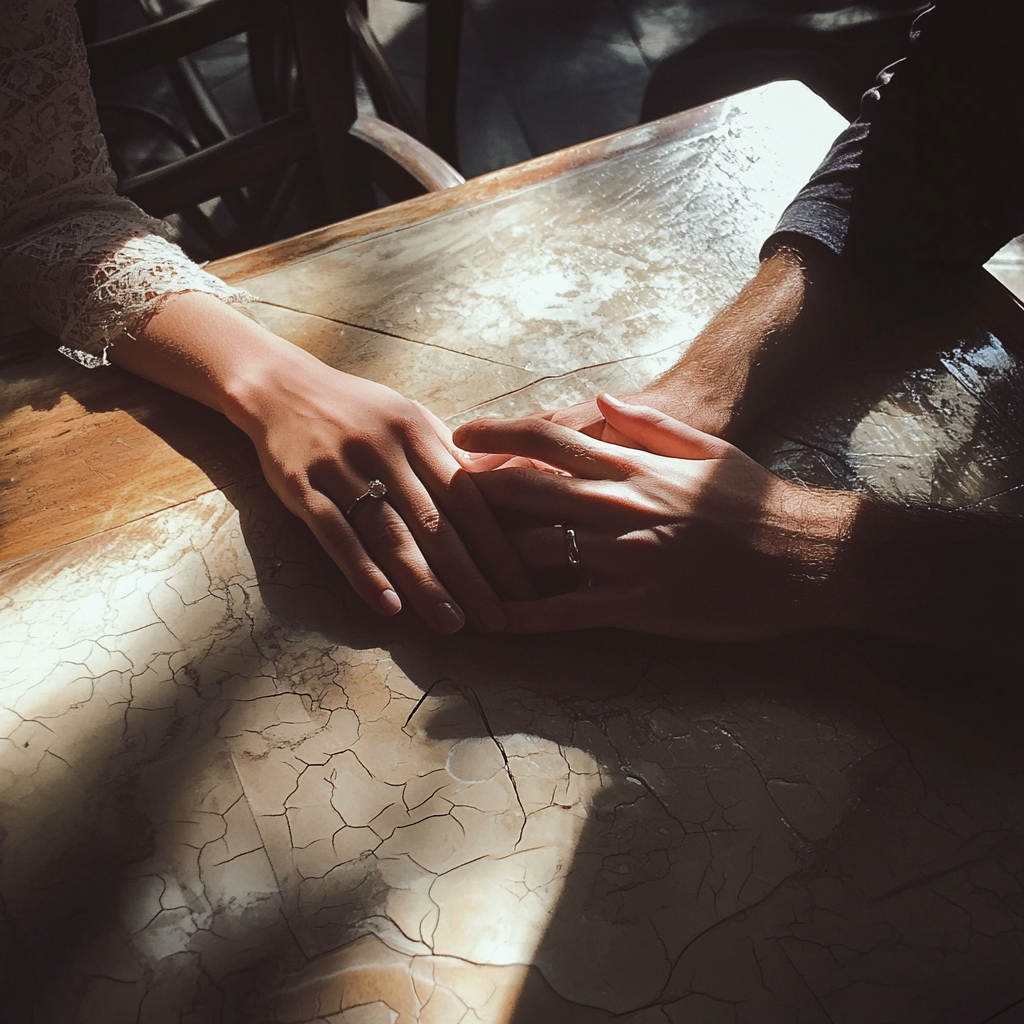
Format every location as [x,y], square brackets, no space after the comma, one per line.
[761,804]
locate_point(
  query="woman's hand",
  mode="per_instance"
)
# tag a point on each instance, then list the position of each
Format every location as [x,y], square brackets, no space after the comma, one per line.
[322,435]
[688,538]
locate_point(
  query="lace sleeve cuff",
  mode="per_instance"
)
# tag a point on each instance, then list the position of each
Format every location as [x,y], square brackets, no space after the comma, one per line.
[98,274]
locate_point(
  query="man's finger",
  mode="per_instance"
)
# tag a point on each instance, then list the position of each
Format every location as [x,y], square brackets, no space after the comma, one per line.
[558,446]
[659,433]
[477,461]
[550,496]
[542,547]
[550,547]
[585,419]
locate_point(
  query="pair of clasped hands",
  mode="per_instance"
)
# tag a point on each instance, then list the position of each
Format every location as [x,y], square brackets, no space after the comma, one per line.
[677,531]
[667,519]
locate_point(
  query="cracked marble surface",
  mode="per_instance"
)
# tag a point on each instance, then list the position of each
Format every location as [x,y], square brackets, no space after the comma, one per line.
[228,793]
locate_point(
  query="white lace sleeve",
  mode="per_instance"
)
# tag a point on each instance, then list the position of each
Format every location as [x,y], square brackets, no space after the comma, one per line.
[75,258]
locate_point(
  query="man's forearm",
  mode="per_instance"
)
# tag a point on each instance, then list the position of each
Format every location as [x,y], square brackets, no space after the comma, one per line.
[803,310]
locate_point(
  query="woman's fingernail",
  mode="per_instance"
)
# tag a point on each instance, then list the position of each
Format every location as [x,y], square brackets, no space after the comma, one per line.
[612,401]
[450,617]
[492,618]
[390,603]
[472,456]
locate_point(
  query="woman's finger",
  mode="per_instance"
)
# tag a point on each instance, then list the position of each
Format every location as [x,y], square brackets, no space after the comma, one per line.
[539,439]
[467,460]
[659,433]
[438,425]
[386,536]
[459,499]
[430,554]
[455,494]
[340,541]
[488,544]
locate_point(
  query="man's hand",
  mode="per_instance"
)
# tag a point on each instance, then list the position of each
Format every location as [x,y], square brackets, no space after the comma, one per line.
[674,397]
[691,538]
[587,418]
[688,538]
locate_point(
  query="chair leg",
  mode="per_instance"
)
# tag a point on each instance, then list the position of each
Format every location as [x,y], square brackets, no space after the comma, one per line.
[271,58]
[325,62]
[444,39]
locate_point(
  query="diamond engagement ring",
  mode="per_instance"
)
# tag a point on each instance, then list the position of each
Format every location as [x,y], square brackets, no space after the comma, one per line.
[374,489]
[571,548]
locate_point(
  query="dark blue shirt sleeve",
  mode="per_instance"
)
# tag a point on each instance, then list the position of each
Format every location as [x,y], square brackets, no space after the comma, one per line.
[929,181]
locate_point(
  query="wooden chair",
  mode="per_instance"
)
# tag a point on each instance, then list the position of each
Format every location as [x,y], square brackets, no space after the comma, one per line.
[301,62]
[438,128]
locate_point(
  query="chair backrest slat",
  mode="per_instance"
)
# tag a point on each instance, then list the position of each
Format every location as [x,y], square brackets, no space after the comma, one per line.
[229,164]
[301,64]
[179,35]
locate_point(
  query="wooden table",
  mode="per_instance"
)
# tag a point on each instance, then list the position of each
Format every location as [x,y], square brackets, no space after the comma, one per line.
[229,793]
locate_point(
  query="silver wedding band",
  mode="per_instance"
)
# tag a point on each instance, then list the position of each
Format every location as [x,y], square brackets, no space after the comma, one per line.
[374,489]
[572,550]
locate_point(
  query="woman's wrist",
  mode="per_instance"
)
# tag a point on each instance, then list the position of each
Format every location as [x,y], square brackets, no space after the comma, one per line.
[200,347]
[273,374]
